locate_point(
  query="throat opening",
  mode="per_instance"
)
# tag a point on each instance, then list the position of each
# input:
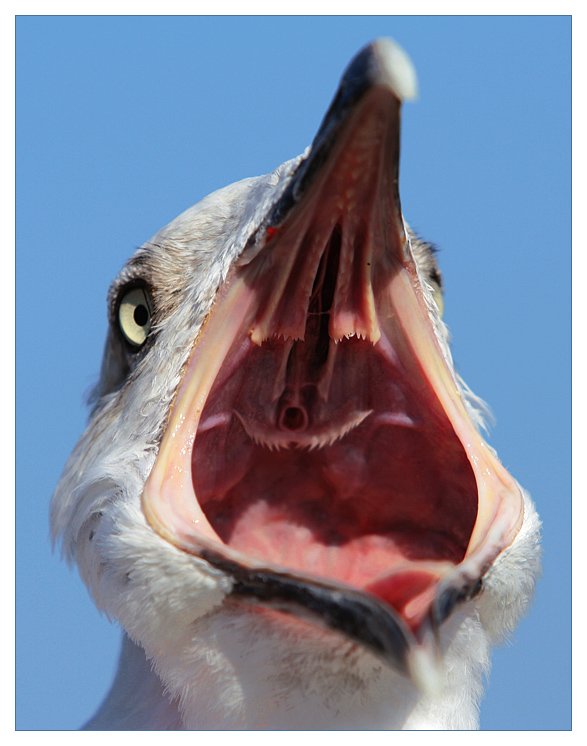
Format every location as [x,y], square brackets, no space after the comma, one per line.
[369,486]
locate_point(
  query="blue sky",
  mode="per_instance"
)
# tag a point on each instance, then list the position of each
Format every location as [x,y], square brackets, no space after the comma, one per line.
[123,122]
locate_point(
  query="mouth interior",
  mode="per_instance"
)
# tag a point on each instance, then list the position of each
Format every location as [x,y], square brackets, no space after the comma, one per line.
[334,458]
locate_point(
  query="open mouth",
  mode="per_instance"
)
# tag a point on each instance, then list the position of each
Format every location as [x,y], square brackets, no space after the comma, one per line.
[319,448]
[331,456]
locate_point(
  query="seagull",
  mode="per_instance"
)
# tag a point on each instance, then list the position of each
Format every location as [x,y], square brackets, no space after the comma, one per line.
[283,495]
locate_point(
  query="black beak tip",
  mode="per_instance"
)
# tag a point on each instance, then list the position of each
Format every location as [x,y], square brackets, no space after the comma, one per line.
[383,65]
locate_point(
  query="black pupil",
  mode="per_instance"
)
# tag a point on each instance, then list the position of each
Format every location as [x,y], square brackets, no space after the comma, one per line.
[141,315]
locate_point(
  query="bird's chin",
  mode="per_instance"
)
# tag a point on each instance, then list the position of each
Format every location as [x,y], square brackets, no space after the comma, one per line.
[319,449]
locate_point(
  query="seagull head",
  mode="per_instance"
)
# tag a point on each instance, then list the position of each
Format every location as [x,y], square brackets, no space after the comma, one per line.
[280,455]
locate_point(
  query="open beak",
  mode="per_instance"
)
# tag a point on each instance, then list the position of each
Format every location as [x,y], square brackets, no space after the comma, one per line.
[319,450]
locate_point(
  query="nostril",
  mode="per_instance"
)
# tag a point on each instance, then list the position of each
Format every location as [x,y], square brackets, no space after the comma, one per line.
[293,418]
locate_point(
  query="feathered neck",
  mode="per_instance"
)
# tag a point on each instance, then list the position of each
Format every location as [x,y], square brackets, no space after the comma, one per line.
[246,670]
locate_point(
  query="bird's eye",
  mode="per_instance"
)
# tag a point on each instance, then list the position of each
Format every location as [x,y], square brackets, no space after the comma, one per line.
[134,315]
[437,295]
